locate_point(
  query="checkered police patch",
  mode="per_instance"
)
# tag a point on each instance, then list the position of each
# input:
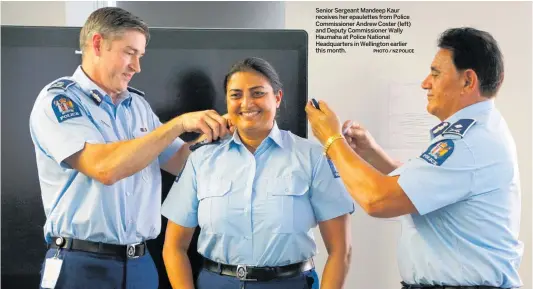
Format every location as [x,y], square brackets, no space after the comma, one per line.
[64,108]
[438,152]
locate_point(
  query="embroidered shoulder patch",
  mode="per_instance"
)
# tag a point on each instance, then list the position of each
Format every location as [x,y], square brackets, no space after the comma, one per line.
[438,152]
[134,90]
[64,108]
[61,84]
[333,169]
[460,127]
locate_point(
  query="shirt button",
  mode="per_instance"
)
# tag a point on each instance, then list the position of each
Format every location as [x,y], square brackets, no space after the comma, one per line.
[128,193]
[286,190]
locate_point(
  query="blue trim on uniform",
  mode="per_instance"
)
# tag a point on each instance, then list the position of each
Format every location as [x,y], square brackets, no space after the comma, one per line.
[63,84]
[438,129]
[333,169]
[460,127]
[136,91]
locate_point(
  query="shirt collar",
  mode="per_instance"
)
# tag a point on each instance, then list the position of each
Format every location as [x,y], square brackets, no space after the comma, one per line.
[274,135]
[470,112]
[94,91]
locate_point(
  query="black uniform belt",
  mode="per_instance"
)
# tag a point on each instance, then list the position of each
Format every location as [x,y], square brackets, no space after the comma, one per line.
[125,251]
[408,286]
[252,273]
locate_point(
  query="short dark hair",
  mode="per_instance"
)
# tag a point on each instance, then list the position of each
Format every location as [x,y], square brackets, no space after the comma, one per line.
[258,65]
[111,22]
[477,50]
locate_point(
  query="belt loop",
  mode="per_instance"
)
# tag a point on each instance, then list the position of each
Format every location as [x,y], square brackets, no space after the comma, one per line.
[219,268]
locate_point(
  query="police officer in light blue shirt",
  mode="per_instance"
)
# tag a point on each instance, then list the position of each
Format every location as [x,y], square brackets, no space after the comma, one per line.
[99,149]
[256,196]
[460,198]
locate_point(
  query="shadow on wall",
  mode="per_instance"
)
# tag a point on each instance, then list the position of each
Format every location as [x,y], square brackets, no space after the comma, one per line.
[194,91]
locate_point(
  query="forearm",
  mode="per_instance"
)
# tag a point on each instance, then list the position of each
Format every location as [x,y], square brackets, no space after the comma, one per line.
[178,268]
[380,160]
[335,271]
[366,184]
[123,159]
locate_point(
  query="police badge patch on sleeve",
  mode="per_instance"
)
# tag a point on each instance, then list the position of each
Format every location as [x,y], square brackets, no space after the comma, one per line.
[64,108]
[333,169]
[438,152]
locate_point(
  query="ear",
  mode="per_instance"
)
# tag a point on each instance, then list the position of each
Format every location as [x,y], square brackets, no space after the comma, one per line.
[97,43]
[279,96]
[470,80]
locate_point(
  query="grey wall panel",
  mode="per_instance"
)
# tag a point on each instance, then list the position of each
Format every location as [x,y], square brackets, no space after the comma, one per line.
[209,14]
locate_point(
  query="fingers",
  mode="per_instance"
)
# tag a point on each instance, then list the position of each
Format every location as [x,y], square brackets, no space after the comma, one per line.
[346,127]
[310,109]
[324,107]
[222,122]
[230,126]
[206,130]
[213,125]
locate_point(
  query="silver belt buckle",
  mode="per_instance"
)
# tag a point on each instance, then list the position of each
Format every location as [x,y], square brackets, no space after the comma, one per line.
[242,273]
[130,250]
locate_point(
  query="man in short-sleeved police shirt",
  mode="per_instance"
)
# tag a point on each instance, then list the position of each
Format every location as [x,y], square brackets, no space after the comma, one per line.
[460,198]
[99,149]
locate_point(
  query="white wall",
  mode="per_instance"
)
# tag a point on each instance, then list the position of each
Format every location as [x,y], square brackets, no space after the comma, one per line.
[49,13]
[33,13]
[357,85]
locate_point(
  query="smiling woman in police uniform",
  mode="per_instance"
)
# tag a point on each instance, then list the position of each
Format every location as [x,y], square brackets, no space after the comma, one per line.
[257,196]
[460,199]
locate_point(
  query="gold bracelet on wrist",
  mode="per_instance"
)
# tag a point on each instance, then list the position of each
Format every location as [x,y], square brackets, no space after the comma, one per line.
[330,141]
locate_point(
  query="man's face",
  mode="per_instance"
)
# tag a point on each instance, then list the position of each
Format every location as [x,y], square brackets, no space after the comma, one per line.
[444,85]
[120,60]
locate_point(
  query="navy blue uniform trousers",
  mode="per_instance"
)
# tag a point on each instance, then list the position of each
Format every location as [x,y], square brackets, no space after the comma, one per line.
[211,280]
[84,270]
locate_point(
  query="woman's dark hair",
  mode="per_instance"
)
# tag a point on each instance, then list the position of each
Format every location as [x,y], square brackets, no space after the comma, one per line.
[258,65]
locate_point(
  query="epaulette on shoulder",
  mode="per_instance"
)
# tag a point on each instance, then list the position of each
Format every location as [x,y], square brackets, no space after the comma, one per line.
[62,83]
[202,143]
[460,127]
[136,91]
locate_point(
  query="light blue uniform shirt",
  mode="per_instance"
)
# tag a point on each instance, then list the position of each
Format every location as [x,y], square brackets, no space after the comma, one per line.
[466,189]
[69,113]
[257,209]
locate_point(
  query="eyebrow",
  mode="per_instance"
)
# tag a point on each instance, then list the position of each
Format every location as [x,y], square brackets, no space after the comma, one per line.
[134,49]
[433,68]
[255,87]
